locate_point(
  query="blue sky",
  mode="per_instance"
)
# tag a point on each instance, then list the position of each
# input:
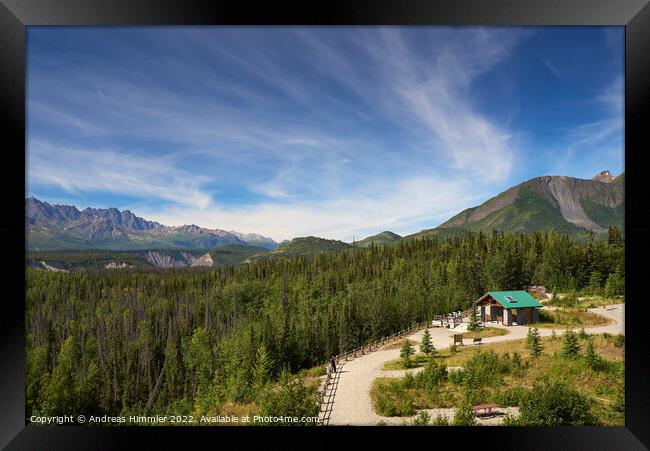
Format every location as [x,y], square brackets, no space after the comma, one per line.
[337,132]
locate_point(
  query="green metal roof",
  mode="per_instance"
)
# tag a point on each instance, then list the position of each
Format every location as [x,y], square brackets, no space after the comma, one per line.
[521,299]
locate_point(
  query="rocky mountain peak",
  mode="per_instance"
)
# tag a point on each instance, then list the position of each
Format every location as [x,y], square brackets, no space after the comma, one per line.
[191,228]
[603,176]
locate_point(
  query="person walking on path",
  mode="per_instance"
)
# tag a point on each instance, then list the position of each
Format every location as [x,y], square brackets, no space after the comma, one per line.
[333,364]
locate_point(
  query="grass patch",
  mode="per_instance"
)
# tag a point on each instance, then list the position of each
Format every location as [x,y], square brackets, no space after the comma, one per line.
[564,317]
[398,343]
[417,361]
[485,332]
[504,373]
[574,301]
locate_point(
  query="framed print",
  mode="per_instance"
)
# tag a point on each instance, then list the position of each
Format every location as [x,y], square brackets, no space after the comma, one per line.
[358,218]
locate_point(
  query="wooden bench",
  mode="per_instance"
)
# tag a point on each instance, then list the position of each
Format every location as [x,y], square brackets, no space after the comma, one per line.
[484,409]
[477,341]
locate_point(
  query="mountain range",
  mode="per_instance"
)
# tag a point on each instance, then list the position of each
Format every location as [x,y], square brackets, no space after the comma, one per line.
[568,205]
[58,227]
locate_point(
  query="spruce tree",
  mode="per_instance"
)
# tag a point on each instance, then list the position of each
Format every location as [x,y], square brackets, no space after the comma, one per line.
[262,368]
[570,345]
[426,346]
[590,356]
[406,352]
[534,344]
[474,321]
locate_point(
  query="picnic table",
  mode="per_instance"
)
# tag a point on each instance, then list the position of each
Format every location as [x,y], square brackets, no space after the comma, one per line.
[484,409]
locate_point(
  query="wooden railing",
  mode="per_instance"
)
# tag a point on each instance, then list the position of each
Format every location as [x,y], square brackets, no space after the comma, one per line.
[324,399]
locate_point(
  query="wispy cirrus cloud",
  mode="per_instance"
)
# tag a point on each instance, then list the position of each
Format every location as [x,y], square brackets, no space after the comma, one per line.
[551,67]
[286,131]
[87,171]
[408,204]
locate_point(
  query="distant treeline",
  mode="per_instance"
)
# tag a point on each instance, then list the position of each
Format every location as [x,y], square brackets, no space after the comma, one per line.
[178,341]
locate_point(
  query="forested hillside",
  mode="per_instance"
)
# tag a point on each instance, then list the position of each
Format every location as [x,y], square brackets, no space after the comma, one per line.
[190,341]
[310,245]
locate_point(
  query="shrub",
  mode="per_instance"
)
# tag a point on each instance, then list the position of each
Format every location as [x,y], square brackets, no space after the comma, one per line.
[384,405]
[486,368]
[430,377]
[392,399]
[455,377]
[405,405]
[422,419]
[474,395]
[582,334]
[509,420]
[408,381]
[292,399]
[511,396]
[619,340]
[619,401]
[516,366]
[554,405]
[545,317]
[440,420]
[464,416]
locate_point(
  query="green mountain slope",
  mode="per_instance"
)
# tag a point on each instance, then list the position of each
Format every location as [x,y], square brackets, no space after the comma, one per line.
[381,239]
[564,204]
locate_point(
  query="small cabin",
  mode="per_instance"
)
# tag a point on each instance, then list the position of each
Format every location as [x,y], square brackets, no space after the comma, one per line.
[508,307]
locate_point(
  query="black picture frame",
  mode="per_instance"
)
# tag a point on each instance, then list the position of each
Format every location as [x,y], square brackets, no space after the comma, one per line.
[16,15]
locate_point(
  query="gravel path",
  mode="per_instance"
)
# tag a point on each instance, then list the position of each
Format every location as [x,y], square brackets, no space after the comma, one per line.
[352,404]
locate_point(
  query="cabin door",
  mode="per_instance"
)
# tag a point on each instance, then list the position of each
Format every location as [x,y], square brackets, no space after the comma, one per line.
[499,313]
[529,316]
